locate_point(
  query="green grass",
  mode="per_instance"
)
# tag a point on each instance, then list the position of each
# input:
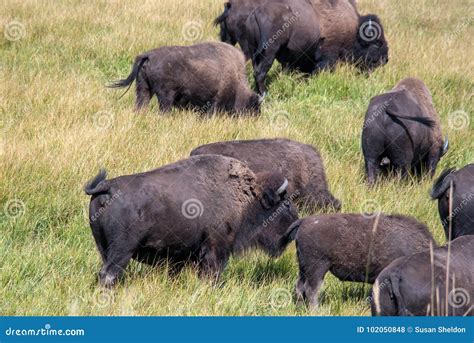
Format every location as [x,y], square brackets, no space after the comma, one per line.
[53,141]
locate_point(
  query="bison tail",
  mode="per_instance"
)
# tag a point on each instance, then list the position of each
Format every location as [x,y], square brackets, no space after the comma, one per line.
[131,77]
[220,19]
[441,184]
[396,295]
[422,120]
[98,184]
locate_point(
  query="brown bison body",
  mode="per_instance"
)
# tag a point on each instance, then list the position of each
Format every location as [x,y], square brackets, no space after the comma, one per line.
[428,283]
[351,248]
[201,209]
[300,163]
[462,211]
[302,35]
[402,131]
[208,77]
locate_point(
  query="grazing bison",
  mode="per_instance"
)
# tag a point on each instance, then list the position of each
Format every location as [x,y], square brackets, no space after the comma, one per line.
[349,36]
[201,209]
[300,163]
[302,35]
[289,34]
[353,247]
[208,77]
[416,285]
[462,219]
[402,131]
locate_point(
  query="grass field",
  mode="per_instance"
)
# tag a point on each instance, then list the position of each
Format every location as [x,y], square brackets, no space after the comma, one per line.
[60,125]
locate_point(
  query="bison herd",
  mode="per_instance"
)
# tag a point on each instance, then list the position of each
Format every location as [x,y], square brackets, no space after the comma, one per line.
[229,197]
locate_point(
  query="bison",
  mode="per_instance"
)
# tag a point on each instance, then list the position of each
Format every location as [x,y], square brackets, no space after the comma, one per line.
[303,35]
[436,282]
[201,209]
[353,247]
[208,77]
[300,163]
[402,132]
[462,206]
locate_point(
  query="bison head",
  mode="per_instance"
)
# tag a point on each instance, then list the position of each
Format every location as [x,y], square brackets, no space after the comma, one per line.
[370,49]
[277,214]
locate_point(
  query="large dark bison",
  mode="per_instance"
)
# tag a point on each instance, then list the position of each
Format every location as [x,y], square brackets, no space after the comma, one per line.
[418,285]
[402,132]
[462,218]
[300,163]
[302,35]
[353,247]
[202,209]
[208,76]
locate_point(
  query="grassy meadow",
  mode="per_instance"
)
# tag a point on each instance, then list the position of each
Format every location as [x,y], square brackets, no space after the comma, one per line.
[59,125]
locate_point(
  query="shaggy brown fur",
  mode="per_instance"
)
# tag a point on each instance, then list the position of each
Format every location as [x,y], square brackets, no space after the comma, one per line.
[352,247]
[402,129]
[300,163]
[207,76]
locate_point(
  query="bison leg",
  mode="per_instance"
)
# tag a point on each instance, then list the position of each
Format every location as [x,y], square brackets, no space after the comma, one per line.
[143,93]
[313,283]
[166,99]
[372,169]
[118,255]
[262,63]
[212,261]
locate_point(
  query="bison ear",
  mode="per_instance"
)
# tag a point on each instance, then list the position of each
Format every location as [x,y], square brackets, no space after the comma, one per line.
[442,183]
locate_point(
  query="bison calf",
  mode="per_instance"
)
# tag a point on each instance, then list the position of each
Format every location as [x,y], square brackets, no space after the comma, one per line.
[353,247]
[208,77]
[402,132]
[300,163]
[462,211]
[436,282]
[201,209]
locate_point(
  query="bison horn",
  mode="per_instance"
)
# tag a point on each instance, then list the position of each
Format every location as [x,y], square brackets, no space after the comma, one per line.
[445,146]
[283,187]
